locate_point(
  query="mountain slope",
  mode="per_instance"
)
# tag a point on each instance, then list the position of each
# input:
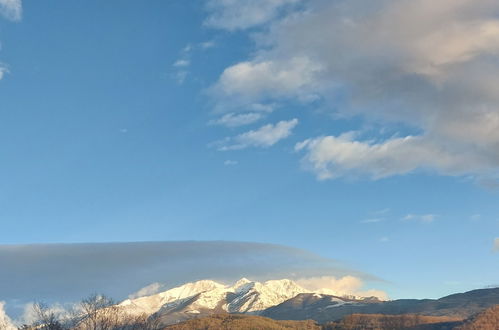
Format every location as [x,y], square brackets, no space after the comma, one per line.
[176,296]
[486,320]
[323,308]
[285,300]
[234,322]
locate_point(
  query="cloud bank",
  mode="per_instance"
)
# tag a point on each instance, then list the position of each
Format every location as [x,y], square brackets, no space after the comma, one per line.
[430,67]
[67,272]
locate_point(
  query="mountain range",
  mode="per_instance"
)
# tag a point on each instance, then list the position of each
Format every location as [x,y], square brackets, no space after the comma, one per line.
[286,300]
[208,297]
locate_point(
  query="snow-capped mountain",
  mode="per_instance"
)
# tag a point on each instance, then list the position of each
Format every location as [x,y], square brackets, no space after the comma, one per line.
[244,296]
[206,297]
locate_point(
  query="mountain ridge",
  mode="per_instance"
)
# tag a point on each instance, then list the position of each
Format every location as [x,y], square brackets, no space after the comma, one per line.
[207,297]
[462,305]
[286,300]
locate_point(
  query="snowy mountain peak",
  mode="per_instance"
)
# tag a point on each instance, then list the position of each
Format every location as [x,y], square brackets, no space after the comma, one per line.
[245,296]
[206,297]
[192,288]
[152,304]
[241,282]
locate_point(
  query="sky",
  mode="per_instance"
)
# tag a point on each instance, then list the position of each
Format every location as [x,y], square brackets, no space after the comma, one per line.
[365,132]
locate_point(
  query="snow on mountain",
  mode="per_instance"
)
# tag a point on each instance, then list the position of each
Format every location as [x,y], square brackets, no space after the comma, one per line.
[206,297]
[253,297]
[152,304]
[244,296]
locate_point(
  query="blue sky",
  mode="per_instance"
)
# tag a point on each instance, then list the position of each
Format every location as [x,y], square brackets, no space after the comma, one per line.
[267,121]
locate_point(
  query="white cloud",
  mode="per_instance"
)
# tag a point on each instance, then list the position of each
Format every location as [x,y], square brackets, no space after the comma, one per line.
[265,136]
[431,67]
[235,120]
[263,107]
[207,44]
[332,157]
[242,14]
[229,162]
[148,290]
[5,321]
[181,63]
[425,218]
[181,67]
[347,285]
[11,9]
[246,82]
[3,71]
[496,244]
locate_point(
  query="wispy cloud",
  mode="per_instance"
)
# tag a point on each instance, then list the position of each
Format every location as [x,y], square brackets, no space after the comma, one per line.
[424,218]
[181,63]
[207,44]
[234,15]
[235,120]
[181,66]
[3,71]
[264,137]
[230,162]
[11,9]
